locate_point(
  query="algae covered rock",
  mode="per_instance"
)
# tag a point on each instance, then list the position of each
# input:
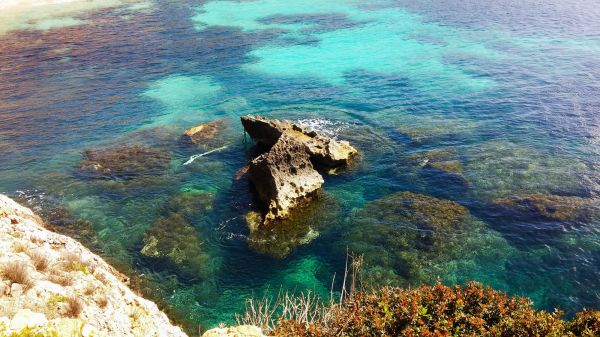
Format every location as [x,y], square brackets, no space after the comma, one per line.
[284,177]
[500,169]
[279,239]
[190,204]
[205,134]
[547,207]
[444,162]
[124,162]
[408,238]
[174,240]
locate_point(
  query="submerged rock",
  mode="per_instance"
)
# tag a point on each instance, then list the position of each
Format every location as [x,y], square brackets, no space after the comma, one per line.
[191,204]
[284,177]
[324,151]
[204,134]
[176,241]
[124,162]
[445,161]
[547,207]
[303,226]
[424,238]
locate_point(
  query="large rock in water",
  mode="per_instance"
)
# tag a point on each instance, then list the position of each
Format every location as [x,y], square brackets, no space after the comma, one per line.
[284,177]
[324,151]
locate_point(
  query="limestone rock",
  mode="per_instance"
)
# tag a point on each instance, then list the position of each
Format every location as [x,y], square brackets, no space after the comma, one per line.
[71,272]
[237,331]
[204,133]
[324,151]
[284,177]
[25,318]
[547,207]
[124,162]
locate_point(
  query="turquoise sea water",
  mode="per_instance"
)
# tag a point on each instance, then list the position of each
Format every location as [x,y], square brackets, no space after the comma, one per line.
[507,91]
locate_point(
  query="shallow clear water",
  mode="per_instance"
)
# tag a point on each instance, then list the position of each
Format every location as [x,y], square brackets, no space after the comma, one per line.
[507,90]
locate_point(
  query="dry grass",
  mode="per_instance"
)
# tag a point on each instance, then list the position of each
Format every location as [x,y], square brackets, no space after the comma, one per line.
[102,301]
[89,290]
[39,259]
[20,247]
[304,308]
[74,262]
[18,272]
[64,280]
[73,307]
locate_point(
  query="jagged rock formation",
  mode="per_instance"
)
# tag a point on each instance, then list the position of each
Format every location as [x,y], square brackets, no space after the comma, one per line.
[285,176]
[324,151]
[51,285]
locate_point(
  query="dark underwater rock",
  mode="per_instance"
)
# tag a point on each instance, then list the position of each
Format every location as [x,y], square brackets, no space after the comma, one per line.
[324,151]
[191,204]
[284,177]
[279,239]
[444,162]
[124,162]
[174,240]
[204,134]
[547,207]
[408,238]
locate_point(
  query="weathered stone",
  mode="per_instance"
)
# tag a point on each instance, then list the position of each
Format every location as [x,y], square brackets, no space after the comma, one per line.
[324,151]
[204,133]
[547,207]
[284,177]
[124,162]
[237,331]
[25,318]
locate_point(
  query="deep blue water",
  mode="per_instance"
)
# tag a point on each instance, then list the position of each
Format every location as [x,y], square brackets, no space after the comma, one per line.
[506,90]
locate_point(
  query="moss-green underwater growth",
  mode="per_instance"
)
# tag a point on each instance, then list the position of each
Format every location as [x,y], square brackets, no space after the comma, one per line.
[428,311]
[279,238]
[124,162]
[424,238]
[547,207]
[173,239]
[530,170]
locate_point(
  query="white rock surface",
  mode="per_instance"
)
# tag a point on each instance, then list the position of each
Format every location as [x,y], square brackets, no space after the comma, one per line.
[75,291]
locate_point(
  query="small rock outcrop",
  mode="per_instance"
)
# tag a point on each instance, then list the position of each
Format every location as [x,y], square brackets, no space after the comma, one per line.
[237,331]
[284,176]
[204,134]
[51,285]
[323,151]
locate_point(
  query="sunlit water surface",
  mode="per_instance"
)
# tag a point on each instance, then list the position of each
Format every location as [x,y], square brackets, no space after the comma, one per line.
[507,91]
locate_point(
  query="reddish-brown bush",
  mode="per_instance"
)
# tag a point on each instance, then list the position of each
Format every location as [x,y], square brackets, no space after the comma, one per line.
[472,310]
